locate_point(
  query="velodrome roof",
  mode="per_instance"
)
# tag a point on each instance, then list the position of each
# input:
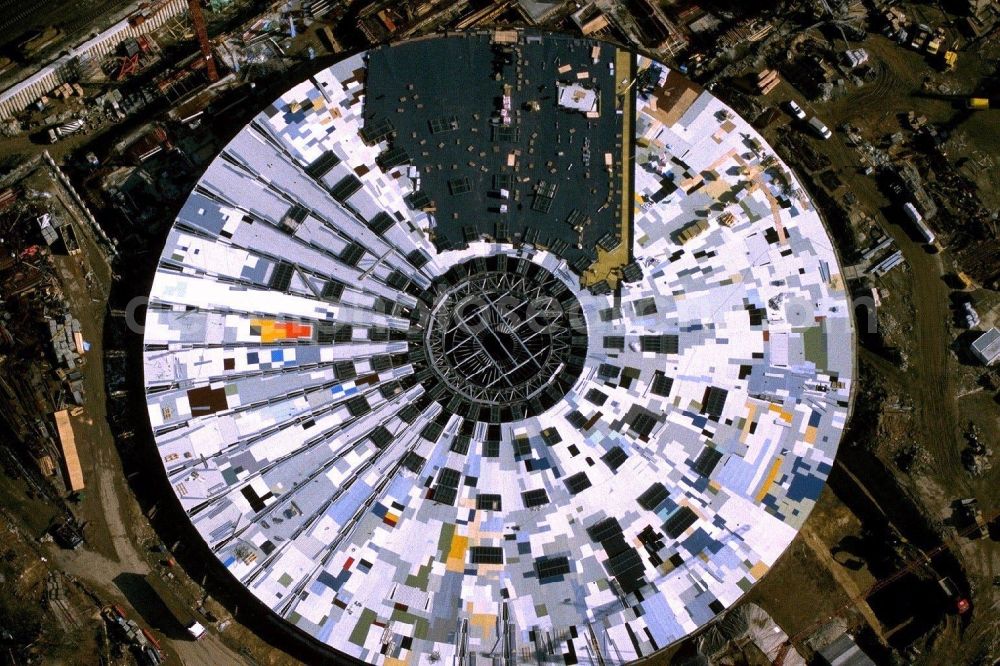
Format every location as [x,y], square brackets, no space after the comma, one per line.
[305,390]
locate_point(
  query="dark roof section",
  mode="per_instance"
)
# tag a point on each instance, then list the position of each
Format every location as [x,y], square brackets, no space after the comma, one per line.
[608,371]
[653,496]
[381,437]
[623,561]
[551,436]
[537,497]
[488,502]
[604,530]
[345,370]
[462,154]
[281,278]
[352,254]
[322,164]
[678,521]
[661,384]
[615,457]
[714,401]
[707,460]
[413,461]
[485,555]
[358,406]
[550,569]
[332,291]
[345,187]
[577,483]
[659,344]
[381,222]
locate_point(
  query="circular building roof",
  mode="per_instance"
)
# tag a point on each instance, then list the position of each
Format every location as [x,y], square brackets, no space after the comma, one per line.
[498,345]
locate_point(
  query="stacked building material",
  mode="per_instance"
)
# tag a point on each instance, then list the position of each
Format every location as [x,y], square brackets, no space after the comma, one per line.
[767,81]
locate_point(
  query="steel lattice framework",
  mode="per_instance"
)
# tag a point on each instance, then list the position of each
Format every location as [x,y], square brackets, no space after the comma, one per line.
[498,338]
[500,335]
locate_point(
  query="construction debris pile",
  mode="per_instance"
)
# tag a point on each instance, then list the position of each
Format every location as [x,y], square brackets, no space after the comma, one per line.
[68,347]
[142,643]
[976,455]
[42,347]
[747,634]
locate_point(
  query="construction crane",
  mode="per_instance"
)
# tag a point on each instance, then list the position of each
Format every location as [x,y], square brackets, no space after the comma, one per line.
[917,564]
[198,23]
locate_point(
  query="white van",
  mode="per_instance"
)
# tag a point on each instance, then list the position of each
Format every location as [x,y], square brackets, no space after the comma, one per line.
[820,129]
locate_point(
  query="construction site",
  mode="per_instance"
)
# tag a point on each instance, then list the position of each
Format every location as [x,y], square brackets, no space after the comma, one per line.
[887,112]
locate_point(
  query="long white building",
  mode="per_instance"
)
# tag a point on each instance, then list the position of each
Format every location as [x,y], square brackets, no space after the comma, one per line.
[66,67]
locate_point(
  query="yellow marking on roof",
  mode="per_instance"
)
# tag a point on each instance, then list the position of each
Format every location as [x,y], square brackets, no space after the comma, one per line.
[749,422]
[771,476]
[456,553]
[810,437]
[486,622]
[782,412]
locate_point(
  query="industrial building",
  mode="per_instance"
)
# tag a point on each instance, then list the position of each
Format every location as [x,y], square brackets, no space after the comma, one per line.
[498,346]
[986,347]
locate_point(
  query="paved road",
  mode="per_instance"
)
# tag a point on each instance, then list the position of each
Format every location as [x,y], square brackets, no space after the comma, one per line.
[18,18]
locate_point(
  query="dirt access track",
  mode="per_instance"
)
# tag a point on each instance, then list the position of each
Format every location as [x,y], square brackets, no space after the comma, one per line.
[113,558]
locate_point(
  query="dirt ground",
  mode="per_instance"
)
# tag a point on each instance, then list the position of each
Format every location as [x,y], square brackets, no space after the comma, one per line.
[18,18]
[807,582]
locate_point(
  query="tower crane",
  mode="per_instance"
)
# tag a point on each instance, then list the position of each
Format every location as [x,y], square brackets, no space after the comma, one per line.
[201,32]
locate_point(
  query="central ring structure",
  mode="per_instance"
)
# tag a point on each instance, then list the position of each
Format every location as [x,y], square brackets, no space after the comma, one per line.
[500,336]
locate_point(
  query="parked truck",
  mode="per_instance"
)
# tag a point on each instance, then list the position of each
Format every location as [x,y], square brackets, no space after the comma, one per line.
[821,129]
[936,41]
[176,608]
[959,604]
[949,59]
[66,129]
[918,221]
[68,534]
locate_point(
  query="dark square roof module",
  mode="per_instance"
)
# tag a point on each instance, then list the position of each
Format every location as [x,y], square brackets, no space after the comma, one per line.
[548,183]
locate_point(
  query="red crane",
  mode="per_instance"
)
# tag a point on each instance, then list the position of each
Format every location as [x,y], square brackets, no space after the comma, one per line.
[198,23]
